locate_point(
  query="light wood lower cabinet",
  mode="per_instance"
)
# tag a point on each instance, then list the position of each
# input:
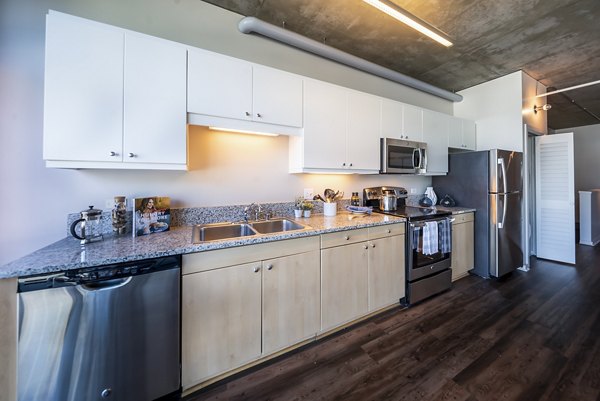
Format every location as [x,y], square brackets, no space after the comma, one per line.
[221,321]
[462,245]
[363,276]
[235,314]
[291,300]
[344,286]
[386,271]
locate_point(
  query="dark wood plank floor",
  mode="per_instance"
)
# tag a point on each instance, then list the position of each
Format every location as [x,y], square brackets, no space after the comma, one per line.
[531,336]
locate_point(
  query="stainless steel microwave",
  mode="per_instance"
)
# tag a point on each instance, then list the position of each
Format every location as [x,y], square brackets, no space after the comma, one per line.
[402,157]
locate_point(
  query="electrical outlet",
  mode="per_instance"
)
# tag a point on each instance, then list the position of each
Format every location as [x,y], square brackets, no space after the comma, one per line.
[413,191]
[308,193]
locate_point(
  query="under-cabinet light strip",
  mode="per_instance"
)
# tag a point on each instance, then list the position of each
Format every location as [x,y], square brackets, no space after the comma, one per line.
[239,131]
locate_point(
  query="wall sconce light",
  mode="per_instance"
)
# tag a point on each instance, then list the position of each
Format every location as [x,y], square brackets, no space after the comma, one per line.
[545,107]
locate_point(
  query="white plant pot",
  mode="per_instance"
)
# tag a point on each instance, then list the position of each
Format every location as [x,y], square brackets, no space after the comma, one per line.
[307,213]
[297,213]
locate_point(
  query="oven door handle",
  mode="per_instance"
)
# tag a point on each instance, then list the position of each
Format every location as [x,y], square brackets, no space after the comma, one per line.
[423,224]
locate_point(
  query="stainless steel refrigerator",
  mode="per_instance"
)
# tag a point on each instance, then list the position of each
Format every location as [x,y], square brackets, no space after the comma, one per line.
[492,182]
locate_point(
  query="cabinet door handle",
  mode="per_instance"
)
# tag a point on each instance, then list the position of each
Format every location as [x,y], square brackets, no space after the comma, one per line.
[111,153]
[350,164]
[269,267]
[256,269]
[389,231]
[372,245]
[247,114]
[130,154]
[258,115]
[347,237]
[365,246]
[343,164]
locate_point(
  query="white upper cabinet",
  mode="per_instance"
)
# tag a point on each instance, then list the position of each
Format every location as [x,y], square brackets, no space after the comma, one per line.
[461,134]
[392,119]
[469,134]
[277,97]
[226,87]
[364,127]
[324,142]
[455,133]
[341,131]
[83,92]
[154,109]
[435,134]
[113,98]
[219,85]
[412,128]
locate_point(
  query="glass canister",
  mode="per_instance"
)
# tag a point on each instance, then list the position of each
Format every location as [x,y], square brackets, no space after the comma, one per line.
[119,215]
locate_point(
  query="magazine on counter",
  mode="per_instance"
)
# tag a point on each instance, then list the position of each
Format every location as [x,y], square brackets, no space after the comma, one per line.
[151,215]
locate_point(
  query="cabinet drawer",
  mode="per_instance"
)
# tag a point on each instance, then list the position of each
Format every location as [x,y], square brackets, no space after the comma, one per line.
[344,237]
[463,218]
[209,260]
[386,231]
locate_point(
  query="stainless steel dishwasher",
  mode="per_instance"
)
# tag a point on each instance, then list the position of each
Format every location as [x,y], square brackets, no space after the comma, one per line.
[105,333]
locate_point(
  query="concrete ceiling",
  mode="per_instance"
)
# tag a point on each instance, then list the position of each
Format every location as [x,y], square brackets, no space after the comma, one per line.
[557,42]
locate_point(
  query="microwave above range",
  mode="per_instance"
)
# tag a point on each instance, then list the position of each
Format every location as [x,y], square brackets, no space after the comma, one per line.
[402,157]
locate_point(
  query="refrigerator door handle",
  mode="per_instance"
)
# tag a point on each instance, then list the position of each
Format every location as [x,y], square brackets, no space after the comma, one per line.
[501,224]
[503,165]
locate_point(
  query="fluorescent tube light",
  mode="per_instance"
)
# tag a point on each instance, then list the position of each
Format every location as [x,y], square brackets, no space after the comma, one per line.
[239,131]
[413,21]
[568,89]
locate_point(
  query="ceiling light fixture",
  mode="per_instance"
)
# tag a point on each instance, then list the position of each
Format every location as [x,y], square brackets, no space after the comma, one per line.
[240,131]
[569,88]
[545,107]
[411,20]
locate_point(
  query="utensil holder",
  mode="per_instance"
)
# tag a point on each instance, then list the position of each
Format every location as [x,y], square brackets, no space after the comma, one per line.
[330,209]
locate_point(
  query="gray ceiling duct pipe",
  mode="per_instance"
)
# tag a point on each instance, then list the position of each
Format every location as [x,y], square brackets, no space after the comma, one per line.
[252,24]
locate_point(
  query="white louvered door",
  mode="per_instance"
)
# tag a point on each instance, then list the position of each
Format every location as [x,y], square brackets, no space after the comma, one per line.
[555,197]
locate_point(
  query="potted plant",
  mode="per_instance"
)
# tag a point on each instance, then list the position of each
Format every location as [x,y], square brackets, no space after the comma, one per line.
[298,207]
[307,208]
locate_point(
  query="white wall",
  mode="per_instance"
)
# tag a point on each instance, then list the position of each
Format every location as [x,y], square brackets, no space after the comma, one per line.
[226,168]
[496,108]
[536,122]
[586,144]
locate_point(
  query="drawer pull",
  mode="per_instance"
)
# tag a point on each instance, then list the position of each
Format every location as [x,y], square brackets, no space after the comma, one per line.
[347,237]
[256,269]
[365,246]
[269,267]
[372,245]
[389,231]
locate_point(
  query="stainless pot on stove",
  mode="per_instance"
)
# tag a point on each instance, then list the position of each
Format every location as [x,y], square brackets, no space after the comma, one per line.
[388,201]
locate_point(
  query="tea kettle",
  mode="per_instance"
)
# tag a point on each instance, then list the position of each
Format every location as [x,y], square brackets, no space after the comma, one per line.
[90,226]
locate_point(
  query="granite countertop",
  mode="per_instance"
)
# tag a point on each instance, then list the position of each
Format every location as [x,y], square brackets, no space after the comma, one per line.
[68,254]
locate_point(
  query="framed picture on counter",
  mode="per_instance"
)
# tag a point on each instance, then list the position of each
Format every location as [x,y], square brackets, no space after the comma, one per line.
[151,215]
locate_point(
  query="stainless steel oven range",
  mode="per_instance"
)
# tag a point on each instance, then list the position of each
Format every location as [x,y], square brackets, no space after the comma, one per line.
[428,244]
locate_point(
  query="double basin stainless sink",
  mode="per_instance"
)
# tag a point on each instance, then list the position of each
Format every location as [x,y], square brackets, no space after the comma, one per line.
[221,231]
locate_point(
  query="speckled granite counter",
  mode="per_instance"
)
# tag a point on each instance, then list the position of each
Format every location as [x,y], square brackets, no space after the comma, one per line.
[69,254]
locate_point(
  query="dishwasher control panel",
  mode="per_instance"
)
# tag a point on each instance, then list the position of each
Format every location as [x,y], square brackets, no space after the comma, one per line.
[89,275]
